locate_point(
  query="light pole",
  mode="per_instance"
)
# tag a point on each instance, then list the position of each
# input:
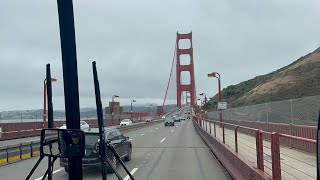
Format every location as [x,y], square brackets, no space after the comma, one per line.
[132,101]
[112,110]
[131,104]
[199,100]
[205,99]
[45,99]
[149,109]
[217,75]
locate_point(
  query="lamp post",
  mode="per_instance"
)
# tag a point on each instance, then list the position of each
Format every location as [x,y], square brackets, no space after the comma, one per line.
[217,75]
[45,99]
[132,101]
[131,104]
[112,109]
[149,109]
[205,99]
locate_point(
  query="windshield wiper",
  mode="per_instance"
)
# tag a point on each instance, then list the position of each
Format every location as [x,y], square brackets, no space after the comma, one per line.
[102,147]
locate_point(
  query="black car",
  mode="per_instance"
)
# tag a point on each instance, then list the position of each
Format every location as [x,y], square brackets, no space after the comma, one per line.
[92,160]
[169,121]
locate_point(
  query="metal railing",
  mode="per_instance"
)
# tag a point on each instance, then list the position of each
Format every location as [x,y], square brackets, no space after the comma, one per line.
[264,149]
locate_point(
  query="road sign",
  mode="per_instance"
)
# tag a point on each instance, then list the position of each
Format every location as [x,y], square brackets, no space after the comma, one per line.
[222,105]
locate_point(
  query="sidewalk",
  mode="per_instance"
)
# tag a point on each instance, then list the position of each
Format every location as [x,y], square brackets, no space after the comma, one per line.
[295,164]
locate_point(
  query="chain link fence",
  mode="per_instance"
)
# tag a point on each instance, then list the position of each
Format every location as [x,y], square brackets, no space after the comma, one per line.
[301,111]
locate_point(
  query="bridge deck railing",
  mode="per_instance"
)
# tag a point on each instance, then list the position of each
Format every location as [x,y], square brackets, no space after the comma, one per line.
[265,151]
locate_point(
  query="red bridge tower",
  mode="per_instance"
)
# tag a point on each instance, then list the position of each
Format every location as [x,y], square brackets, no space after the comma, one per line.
[189,88]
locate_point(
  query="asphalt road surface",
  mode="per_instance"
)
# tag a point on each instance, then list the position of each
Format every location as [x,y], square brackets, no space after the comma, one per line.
[159,152]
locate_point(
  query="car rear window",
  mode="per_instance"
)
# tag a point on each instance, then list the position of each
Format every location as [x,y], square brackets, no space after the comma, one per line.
[92,138]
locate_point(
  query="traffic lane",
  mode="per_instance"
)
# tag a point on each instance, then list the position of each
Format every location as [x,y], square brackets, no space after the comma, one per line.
[143,147]
[183,155]
[148,149]
[20,170]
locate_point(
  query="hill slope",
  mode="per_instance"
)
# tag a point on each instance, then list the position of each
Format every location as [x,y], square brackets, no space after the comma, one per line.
[299,79]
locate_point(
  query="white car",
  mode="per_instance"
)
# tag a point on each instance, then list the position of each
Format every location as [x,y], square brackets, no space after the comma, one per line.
[83,126]
[126,122]
[148,119]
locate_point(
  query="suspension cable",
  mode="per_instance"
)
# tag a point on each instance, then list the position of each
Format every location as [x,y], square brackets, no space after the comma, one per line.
[173,59]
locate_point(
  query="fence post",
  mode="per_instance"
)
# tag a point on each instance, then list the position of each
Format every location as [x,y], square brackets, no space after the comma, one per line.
[214,126]
[20,146]
[236,138]
[7,154]
[259,149]
[290,129]
[267,117]
[203,123]
[31,149]
[210,127]
[206,125]
[223,136]
[275,154]
[267,112]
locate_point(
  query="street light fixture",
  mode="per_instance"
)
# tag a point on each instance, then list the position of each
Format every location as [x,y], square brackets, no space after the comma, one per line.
[217,75]
[45,99]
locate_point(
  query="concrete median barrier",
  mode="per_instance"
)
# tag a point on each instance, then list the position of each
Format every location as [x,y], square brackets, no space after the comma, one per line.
[14,153]
[3,155]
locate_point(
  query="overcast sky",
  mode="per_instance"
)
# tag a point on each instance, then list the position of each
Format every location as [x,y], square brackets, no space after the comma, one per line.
[133,43]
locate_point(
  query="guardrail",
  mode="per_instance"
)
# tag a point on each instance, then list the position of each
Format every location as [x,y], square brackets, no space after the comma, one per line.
[309,132]
[247,152]
[21,151]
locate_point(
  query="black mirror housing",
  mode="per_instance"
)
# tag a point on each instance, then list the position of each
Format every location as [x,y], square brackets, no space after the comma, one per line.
[62,143]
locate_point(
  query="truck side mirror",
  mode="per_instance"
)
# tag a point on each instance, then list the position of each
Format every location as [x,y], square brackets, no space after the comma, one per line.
[62,143]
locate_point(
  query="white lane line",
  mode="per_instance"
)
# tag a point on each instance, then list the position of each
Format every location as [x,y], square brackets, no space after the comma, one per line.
[58,170]
[172,130]
[130,139]
[132,172]
[156,128]
[151,130]
[162,139]
[142,134]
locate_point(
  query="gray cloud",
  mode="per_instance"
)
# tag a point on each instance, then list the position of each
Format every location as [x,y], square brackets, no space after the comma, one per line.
[133,43]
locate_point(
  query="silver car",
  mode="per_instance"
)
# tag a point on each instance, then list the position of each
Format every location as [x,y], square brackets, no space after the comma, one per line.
[169,121]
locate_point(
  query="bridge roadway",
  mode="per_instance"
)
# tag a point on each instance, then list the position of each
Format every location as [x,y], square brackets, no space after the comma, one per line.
[159,152]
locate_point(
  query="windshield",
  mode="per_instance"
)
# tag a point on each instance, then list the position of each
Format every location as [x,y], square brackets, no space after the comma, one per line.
[197,89]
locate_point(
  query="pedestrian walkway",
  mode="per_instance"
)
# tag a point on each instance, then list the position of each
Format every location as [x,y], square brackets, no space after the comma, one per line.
[295,164]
